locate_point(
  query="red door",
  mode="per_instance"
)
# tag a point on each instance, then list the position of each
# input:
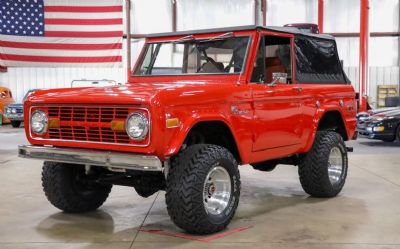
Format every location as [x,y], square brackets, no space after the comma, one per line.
[277,106]
[277,117]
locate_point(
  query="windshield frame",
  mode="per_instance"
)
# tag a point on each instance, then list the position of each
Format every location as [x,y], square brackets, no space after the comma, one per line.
[210,37]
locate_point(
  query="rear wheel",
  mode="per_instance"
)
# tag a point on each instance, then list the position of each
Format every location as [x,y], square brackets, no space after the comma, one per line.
[398,133]
[16,124]
[203,188]
[323,169]
[69,188]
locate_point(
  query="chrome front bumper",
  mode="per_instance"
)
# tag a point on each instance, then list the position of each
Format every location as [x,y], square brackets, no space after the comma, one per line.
[15,117]
[108,159]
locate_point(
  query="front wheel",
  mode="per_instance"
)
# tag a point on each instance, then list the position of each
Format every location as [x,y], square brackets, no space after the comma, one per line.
[203,189]
[69,188]
[323,169]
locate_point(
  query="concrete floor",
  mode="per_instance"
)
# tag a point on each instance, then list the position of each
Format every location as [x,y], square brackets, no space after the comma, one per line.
[365,215]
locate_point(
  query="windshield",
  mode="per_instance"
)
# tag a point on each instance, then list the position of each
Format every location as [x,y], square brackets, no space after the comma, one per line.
[219,56]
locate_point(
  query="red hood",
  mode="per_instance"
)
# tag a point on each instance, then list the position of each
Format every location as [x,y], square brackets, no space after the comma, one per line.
[177,93]
[137,93]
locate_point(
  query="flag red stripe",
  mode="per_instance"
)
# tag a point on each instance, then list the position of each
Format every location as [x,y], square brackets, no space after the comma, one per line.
[60,59]
[88,9]
[83,34]
[63,21]
[60,46]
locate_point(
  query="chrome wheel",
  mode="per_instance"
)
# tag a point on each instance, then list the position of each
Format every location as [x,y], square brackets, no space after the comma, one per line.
[335,165]
[217,190]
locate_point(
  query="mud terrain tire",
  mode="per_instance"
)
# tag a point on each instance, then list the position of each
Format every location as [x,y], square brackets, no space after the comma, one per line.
[318,175]
[66,190]
[190,183]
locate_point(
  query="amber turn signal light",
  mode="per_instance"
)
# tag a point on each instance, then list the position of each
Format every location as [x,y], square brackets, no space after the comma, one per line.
[172,122]
[54,123]
[117,125]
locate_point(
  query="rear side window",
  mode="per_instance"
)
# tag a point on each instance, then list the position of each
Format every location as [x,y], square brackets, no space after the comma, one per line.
[317,62]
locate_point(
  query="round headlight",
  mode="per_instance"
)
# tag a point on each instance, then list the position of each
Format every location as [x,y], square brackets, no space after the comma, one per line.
[13,110]
[39,122]
[8,110]
[137,126]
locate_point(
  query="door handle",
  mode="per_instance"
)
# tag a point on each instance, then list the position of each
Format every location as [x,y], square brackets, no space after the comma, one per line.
[298,88]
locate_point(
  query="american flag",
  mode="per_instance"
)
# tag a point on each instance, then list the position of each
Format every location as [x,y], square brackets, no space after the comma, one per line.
[60,33]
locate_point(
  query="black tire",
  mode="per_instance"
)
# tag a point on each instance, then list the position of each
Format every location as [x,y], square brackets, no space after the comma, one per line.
[186,184]
[313,166]
[389,140]
[398,133]
[66,188]
[16,124]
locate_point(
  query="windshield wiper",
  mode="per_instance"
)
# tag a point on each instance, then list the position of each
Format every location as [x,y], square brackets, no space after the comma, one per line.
[191,38]
[219,37]
[185,38]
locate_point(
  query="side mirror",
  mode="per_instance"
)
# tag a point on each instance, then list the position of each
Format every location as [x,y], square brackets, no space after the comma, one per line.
[278,78]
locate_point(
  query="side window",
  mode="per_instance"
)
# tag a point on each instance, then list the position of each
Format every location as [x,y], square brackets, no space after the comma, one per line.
[274,59]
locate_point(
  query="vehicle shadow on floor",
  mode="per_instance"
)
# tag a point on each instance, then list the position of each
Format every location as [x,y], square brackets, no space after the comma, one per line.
[257,206]
[259,200]
[66,227]
[380,143]
[7,128]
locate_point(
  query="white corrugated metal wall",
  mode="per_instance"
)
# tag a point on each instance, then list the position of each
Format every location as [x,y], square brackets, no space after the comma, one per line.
[20,80]
[340,16]
[384,58]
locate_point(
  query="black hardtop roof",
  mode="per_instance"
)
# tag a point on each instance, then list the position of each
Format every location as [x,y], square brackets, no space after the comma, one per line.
[286,30]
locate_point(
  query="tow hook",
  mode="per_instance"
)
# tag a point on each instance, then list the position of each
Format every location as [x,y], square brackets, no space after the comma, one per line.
[349,149]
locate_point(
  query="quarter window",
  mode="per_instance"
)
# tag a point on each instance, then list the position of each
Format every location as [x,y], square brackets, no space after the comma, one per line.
[317,61]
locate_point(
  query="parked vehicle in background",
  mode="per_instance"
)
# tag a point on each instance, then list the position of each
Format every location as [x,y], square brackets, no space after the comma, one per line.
[15,112]
[6,98]
[197,105]
[382,126]
[361,116]
[93,83]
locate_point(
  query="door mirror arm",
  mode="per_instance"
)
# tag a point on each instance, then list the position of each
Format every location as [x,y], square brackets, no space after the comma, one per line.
[278,77]
[274,82]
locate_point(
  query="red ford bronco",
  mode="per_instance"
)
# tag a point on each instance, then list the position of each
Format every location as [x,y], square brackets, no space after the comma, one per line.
[197,105]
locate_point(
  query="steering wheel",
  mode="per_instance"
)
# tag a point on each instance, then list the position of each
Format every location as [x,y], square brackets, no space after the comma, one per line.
[228,67]
[208,59]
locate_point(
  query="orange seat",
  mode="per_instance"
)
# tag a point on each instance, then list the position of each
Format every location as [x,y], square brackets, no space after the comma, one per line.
[273,65]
